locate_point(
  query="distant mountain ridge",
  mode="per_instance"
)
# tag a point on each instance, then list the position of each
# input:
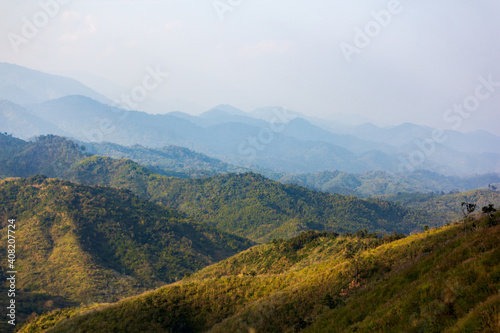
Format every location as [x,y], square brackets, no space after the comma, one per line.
[170,161]
[376,183]
[23,86]
[16,120]
[269,138]
[298,146]
[446,206]
[407,133]
[184,163]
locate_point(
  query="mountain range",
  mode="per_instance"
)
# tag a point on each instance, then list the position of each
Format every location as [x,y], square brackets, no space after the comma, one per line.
[171,178]
[270,138]
[376,183]
[246,204]
[22,85]
[100,244]
[230,221]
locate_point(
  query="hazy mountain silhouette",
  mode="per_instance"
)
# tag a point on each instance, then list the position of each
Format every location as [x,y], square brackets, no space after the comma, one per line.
[270,138]
[22,85]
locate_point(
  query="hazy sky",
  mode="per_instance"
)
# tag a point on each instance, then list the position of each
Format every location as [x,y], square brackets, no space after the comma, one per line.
[414,64]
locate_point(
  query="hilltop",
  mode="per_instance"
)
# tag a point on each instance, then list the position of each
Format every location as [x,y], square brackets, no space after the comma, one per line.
[182,162]
[78,243]
[438,281]
[48,155]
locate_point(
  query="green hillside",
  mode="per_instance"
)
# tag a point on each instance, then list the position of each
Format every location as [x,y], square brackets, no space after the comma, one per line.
[78,243]
[249,204]
[438,281]
[445,207]
[49,155]
[169,161]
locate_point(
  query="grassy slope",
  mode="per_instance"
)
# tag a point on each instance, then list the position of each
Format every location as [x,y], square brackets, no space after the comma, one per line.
[77,243]
[250,205]
[432,282]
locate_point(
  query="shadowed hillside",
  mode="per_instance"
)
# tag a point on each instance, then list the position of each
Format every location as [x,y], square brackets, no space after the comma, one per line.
[78,243]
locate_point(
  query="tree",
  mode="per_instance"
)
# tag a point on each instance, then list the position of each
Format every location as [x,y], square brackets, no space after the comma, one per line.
[467,209]
[490,209]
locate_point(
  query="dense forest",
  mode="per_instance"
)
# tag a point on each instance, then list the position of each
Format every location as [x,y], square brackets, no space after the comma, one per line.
[249,204]
[185,163]
[78,243]
[48,155]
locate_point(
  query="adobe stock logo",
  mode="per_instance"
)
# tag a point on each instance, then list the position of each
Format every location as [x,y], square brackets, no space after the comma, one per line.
[140,92]
[364,37]
[471,103]
[104,126]
[253,144]
[454,116]
[30,28]
[223,6]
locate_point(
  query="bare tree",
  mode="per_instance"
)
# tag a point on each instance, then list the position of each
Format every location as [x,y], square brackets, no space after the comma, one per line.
[467,209]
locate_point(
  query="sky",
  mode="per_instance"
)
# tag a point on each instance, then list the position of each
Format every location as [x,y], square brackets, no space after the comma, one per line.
[428,62]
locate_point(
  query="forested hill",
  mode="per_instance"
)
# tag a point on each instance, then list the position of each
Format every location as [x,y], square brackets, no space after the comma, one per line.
[245,204]
[49,155]
[251,205]
[437,281]
[170,161]
[78,243]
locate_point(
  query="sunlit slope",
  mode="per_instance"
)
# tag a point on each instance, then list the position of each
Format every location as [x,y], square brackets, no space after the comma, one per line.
[318,282]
